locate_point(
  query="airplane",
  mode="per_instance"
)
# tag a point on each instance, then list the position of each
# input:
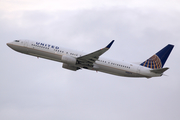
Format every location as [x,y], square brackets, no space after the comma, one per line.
[74,60]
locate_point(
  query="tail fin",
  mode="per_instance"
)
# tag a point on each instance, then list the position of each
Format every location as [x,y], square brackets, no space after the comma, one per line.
[158,60]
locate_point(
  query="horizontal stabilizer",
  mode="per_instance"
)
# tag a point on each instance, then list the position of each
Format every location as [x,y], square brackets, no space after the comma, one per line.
[159,71]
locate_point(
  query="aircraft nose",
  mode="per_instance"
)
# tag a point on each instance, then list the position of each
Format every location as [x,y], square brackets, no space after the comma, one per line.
[9,44]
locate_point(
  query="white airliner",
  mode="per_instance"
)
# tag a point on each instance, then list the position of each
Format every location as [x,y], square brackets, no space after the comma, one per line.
[74,60]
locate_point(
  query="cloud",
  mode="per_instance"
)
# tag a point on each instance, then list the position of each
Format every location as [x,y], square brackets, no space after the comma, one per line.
[54,5]
[33,88]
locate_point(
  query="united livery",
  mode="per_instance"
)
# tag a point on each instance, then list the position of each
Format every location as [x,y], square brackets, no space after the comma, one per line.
[75,60]
[158,60]
[47,45]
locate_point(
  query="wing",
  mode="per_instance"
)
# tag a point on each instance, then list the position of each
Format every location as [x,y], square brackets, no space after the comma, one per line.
[89,59]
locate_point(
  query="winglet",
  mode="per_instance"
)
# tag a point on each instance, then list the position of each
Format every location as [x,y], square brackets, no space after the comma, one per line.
[109,45]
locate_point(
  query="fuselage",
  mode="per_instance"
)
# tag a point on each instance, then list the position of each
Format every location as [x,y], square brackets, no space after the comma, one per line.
[56,53]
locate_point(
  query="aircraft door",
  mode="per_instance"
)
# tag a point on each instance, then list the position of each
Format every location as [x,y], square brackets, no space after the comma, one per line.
[25,43]
[139,69]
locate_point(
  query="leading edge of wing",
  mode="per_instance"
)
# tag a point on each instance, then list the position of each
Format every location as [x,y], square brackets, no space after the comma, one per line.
[92,57]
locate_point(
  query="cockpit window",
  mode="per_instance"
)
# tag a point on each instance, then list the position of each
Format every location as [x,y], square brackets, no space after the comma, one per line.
[16,40]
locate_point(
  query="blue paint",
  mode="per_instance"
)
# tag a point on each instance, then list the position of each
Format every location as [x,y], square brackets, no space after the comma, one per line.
[109,45]
[158,60]
[47,45]
[42,44]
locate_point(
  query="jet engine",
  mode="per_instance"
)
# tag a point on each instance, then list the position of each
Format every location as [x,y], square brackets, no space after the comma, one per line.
[70,67]
[68,60]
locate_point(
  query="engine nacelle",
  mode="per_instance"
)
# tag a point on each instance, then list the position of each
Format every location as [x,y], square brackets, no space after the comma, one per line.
[68,60]
[70,67]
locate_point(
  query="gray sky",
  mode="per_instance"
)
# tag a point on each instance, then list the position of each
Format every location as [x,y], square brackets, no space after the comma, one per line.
[40,89]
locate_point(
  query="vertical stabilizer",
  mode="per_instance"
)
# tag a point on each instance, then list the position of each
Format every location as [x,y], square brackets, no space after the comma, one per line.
[158,60]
